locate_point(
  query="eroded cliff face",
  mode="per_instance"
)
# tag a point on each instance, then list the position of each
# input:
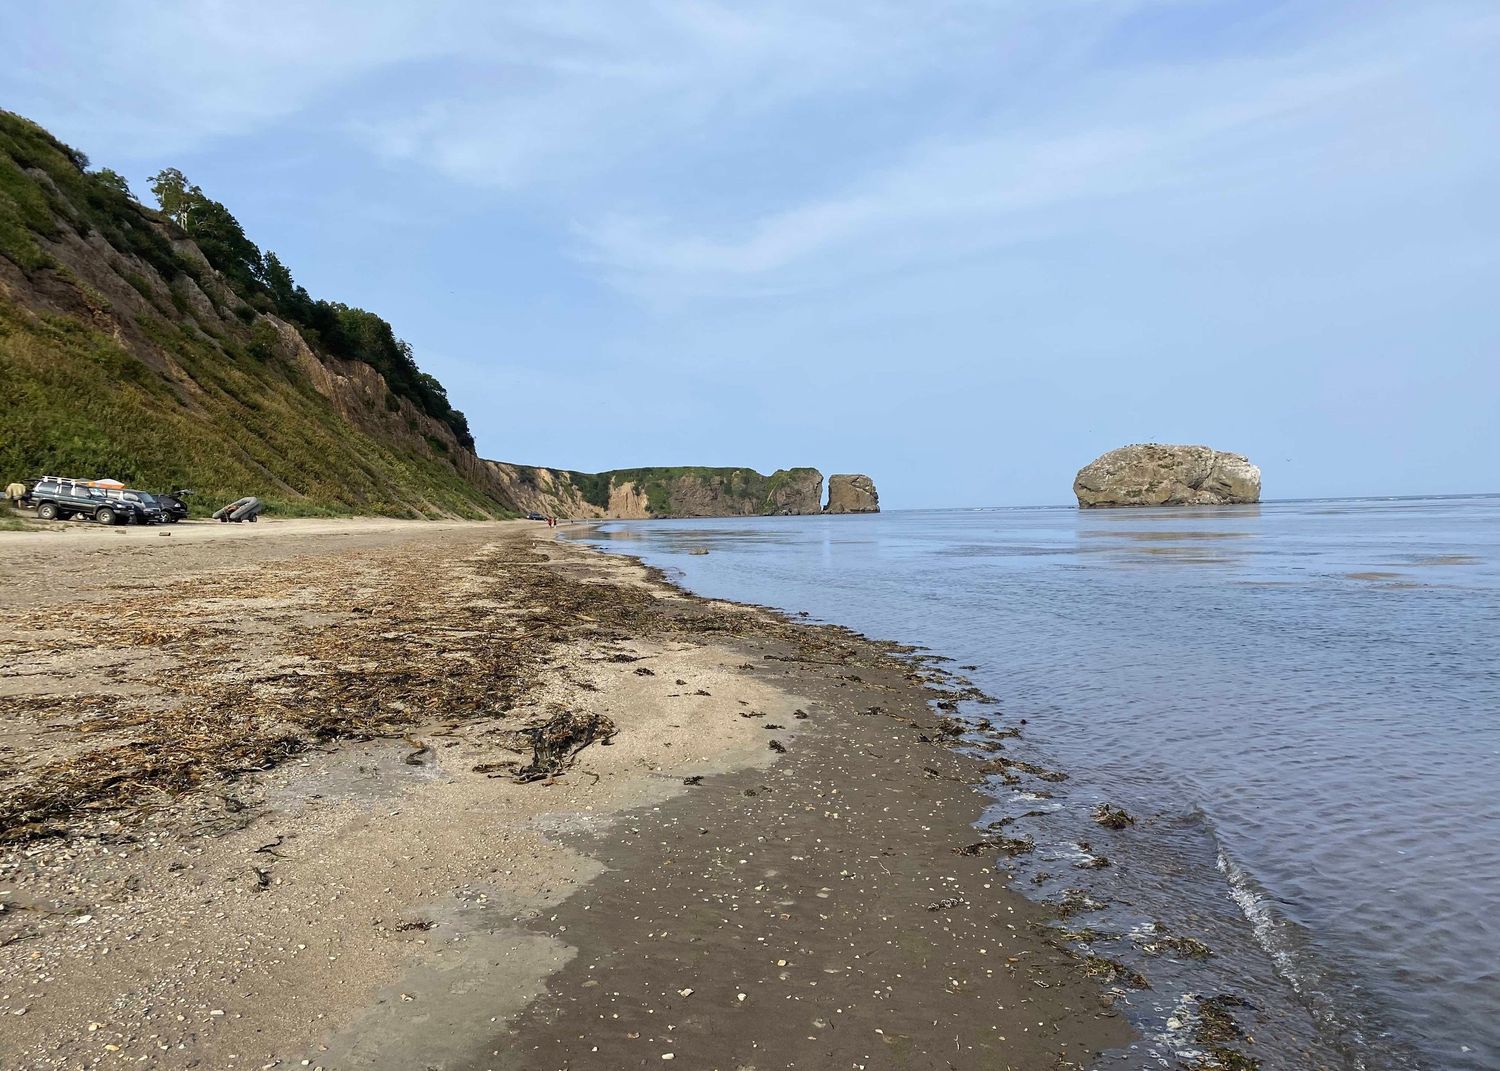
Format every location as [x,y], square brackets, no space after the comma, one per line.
[627,502]
[531,488]
[1157,474]
[852,493]
[734,492]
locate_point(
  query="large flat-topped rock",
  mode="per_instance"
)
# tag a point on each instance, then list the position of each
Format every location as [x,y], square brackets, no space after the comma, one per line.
[1156,474]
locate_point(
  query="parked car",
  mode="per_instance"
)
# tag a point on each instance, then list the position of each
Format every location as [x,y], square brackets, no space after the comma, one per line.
[535,516]
[174,505]
[58,498]
[150,511]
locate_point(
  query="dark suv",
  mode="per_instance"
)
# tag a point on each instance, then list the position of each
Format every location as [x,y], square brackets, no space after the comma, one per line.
[58,498]
[149,509]
[173,504]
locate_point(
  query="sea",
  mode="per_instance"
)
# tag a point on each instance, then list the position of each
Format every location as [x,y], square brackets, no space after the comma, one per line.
[1298,703]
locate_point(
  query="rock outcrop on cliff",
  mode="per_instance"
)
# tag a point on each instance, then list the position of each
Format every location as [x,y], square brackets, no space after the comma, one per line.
[852,493]
[1155,474]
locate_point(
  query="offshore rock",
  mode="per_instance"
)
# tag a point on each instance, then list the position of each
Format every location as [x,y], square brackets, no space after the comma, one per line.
[1154,474]
[792,492]
[852,493]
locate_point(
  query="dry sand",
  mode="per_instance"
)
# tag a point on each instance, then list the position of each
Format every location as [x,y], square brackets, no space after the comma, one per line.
[257,815]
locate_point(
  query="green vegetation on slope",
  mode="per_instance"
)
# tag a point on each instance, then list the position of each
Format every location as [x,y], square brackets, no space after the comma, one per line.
[80,403]
[44,187]
[593,486]
[179,380]
[263,281]
[167,349]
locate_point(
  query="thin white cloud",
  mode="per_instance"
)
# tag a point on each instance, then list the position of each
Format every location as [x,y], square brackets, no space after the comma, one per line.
[1187,129]
[567,93]
[176,75]
[501,94]
[179,73]
[1006,116]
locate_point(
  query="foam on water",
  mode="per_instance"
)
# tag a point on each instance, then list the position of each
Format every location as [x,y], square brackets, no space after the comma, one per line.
[1299,702]
[1263,922]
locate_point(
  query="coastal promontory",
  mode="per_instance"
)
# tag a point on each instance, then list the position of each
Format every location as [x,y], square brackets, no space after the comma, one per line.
[852,493]
[1156,474]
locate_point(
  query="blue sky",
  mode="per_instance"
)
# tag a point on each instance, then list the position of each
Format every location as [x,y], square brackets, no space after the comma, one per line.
[962,246]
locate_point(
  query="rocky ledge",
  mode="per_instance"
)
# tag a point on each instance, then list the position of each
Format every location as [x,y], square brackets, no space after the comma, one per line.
[1154,474]
[852,493]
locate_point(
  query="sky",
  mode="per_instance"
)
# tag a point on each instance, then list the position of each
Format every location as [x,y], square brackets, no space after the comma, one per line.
[963,246]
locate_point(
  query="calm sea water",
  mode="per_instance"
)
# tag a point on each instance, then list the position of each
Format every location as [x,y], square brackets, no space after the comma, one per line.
[1299,702]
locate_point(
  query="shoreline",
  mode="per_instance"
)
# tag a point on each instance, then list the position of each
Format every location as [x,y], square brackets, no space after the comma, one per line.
[411,903]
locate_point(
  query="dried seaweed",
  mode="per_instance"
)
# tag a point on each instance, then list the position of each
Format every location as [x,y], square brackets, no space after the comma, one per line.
[555,744]
[394,650]
[464,661]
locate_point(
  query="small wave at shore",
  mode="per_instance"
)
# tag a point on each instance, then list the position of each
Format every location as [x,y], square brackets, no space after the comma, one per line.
[1170,903]
[1277,937]
[1269,929]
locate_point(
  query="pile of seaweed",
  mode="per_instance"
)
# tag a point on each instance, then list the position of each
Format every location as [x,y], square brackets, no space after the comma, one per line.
[404,655]
[392,651]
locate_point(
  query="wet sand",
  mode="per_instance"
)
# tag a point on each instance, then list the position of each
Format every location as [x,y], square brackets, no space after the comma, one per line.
[811,915]
[374,890]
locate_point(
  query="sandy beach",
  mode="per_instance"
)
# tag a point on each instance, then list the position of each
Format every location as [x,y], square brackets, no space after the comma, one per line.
[279,796]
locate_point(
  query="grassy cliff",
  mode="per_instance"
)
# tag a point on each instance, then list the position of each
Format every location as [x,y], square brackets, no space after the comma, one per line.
[126,350]
[162,347]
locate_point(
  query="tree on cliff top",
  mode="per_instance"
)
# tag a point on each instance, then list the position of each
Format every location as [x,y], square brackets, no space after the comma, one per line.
[330,327]
[213,227]
[114,180]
